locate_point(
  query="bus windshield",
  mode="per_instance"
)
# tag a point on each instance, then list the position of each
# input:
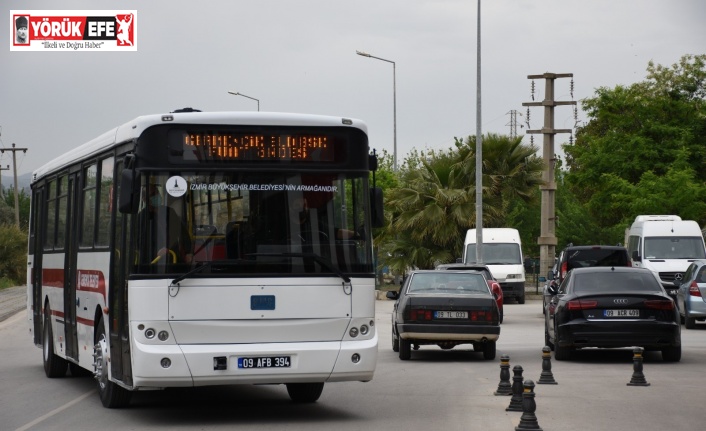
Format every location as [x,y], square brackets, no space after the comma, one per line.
[249,223]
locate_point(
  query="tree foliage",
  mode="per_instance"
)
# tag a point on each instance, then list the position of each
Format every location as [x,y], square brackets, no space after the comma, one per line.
[642,143]
[434,205]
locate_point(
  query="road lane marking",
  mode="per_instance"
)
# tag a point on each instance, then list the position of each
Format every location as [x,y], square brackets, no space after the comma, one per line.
[57,410]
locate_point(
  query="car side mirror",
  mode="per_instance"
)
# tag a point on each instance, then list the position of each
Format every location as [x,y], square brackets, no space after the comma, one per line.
[636,257]
[392,295]
[552,288]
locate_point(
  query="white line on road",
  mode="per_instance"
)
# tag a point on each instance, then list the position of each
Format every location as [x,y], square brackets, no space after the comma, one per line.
[56,410]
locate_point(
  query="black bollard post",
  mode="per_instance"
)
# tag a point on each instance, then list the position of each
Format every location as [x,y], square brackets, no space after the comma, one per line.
[504,387]
[638,379]
[546,378]
[516,400]
[528,421]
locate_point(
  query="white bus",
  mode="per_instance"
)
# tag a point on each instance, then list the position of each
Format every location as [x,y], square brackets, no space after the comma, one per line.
[192,249]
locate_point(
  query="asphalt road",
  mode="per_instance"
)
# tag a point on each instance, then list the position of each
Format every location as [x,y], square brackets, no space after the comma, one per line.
[440,390]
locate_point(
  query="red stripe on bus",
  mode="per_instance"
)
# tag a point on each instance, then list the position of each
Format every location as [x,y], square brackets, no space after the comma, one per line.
[86,280]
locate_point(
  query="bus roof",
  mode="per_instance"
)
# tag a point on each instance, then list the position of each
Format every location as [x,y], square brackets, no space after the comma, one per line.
[134,128]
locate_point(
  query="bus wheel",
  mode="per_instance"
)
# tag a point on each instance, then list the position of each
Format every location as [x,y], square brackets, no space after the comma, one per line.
[54,366]
[112,395]
[304,392]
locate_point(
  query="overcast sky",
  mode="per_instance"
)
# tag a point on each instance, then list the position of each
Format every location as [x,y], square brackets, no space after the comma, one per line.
[300,56]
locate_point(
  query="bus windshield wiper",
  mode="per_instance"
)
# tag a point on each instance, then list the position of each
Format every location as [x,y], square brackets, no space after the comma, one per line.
[319,259]
[192,272]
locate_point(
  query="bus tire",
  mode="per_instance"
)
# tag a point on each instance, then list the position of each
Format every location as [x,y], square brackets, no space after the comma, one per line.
[112,395]
[304,392]
[54,366]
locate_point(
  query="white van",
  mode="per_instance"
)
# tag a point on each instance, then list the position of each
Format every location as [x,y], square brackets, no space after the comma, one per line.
[666,245]
[502,253]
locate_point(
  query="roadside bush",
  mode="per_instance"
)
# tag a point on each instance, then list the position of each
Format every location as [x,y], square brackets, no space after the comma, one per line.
[13,253]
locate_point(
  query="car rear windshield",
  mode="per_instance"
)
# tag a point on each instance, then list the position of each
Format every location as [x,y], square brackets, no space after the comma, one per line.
[583,258]
[614,281]
[447,283]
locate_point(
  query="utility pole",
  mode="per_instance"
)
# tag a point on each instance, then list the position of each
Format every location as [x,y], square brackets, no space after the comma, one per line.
[14,168]
[547,240]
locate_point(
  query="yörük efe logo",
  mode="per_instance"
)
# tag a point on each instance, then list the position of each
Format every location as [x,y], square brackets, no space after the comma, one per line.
[73,30]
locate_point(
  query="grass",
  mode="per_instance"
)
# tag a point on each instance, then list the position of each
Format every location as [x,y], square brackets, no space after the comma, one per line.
[6,282]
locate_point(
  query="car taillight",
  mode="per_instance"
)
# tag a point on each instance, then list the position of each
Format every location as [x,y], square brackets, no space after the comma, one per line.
[694,289]
[564,267]
[659,304]
[481,316]
[578,304]
[420,314]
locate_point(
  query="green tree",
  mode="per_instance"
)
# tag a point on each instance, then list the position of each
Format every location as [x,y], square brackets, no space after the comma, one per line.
[13,254]
[639,142]
[435,202]
[8,198]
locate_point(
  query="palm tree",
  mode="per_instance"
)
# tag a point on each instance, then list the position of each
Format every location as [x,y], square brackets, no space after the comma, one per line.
[434,205]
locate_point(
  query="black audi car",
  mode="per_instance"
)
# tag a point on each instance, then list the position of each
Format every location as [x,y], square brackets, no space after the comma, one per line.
[612,307]
[444,308]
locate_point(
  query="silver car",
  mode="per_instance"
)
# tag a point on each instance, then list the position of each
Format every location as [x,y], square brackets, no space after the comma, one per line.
[691,294]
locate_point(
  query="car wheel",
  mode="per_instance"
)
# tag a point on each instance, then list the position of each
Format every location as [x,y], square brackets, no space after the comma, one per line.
[304,392]
[489,349]
[395,343]
[547,342]
[671,354]
[500,315]
[690,322]
[405,349]
[562,353]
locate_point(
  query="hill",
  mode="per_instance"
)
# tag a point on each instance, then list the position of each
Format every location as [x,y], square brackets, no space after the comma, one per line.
[23,181]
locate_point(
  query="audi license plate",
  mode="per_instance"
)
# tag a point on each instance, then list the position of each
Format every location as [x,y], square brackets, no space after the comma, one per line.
[451,315]
[621,313]
[265,362]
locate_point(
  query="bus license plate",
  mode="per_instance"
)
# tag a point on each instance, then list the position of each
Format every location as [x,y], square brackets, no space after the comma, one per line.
[621,313]
[451,315]
[265,362]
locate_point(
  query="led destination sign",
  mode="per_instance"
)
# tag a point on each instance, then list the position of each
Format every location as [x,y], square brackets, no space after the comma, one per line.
[226,146]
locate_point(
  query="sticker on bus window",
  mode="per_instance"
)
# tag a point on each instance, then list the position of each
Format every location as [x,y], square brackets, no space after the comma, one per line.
[176,186]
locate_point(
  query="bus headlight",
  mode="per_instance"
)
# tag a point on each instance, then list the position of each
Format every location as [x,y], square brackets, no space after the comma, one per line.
[150,333]
[353,332]
[364,329]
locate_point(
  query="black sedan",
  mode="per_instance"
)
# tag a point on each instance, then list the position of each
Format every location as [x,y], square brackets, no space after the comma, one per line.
[444,308]
[612,307]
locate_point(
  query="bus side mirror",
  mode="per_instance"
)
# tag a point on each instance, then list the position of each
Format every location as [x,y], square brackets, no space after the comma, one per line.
[127,201]
[376,207]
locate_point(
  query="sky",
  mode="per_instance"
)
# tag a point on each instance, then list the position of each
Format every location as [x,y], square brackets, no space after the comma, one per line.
[300,56]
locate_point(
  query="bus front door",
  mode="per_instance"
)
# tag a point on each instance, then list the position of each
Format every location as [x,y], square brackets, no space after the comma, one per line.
[70,301]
